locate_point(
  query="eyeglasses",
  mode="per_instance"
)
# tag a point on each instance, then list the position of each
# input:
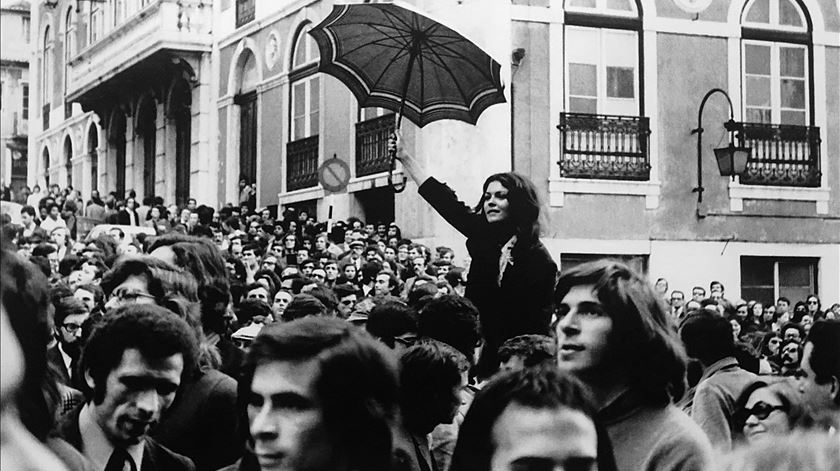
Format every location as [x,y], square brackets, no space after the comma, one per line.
[762,410]
[813,302]
[71,327]
[129,296]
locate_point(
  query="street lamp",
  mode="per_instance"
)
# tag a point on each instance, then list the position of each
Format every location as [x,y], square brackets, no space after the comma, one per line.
[732,159]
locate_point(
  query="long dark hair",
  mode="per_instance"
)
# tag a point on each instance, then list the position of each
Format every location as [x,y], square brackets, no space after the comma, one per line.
[524,204]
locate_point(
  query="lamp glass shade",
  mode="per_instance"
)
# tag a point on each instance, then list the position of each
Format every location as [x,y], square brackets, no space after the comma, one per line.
[732,160]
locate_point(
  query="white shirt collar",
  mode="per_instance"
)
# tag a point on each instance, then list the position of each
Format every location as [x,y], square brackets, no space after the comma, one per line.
[67,359]
[96,446]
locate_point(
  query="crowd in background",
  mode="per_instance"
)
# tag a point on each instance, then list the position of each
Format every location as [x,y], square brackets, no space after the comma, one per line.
[241,281]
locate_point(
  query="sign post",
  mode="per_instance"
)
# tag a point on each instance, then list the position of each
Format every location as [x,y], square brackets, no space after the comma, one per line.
[334,174]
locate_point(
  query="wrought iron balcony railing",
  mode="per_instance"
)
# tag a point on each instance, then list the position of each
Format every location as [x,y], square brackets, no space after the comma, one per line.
[604,147]
[784,155]
[372,145]
[302,163]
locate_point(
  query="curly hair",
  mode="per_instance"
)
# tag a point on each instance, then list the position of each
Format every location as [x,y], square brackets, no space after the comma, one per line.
[524,204]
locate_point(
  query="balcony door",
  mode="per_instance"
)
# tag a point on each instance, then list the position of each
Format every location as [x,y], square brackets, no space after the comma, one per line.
[118,143]
[147,129]
[181,112]
[246,99]
[93,144]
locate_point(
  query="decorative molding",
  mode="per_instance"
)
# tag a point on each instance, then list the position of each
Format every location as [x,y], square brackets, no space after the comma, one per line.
[376,180]
[536,14]
[557,188]
[315,192]
[738,193]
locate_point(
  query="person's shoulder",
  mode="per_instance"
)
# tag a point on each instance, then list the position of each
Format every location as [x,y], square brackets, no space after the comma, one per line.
[159,458]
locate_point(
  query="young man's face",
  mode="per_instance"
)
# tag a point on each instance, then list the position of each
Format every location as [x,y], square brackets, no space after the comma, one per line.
[819,397]
[583,332]
[70,331]
[281,301]
[346,305]
[137,393]
[286,419]
[331,270]
[54,212]
[677,299]
[260,293]
[302,254]
[25,218]
[698,294]
[419,265]
[86,297]
[382,285]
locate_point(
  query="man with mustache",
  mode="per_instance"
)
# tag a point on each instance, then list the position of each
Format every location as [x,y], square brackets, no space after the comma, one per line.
[133,365]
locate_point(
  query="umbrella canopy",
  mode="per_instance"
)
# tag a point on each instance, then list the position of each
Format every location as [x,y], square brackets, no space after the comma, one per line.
[398,59]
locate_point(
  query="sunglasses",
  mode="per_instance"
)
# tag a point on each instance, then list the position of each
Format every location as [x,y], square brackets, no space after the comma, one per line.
[762,410]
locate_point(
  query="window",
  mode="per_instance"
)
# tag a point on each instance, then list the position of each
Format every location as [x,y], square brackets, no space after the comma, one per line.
[306,90]
[26,26]
[765,279]
[245,12]
[46,67]
[775,62]
[97,22]
[25,107]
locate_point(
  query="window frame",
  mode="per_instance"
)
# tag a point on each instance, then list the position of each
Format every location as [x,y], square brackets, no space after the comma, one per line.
[305,73]
[812,262]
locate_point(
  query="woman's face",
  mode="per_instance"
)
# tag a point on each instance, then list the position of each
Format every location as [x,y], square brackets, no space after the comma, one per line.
[402,254]
[766,418]
[350,272]
[331,269]
[769,313]
[155,212]
[773,345]
[736,328]
[495,202]
[757,310]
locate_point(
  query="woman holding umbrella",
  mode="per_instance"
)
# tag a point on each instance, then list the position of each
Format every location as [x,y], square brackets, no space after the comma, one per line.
[512,275]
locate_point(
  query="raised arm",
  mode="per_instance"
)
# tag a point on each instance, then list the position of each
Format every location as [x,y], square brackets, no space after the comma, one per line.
[437,194]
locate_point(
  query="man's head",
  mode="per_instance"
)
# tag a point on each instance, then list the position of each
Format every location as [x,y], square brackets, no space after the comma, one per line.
[790,353]
[793,331]
[418,265]
[385,283]
[526,351]
[27,215]
[432,377]
[677,299]
[70,315]
[393,323]
[347,295]
[134,362]
[707,336]
[535,416]
[698,293]
[319,395]
[612,331]
[782,305]
[452,320]
[820,367]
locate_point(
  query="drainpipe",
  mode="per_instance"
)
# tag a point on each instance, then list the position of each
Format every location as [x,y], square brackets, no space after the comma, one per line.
[515,60]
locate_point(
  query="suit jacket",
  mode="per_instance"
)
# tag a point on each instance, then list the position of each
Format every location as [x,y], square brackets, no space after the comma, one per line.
[56,361]
[202,423]
[156,457]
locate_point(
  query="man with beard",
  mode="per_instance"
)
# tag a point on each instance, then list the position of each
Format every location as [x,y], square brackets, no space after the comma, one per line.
[70,315]
[133,365]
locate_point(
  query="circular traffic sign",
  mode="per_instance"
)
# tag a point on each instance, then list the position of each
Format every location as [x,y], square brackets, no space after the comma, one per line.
[334,174]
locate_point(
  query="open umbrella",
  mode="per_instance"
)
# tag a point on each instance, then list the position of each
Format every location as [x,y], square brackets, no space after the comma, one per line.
[392,57]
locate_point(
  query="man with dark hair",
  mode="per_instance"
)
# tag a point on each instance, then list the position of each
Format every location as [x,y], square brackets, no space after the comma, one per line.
[304,305]
[133,363]
[53,218]
[394,324]
[319,395]
[452,320]
[347,295]
[820,369]
[790,354]
[70,315]
[27,221]
[698,293]
[386,283]
[708,338]
[614,334]
[432,377]
[526,351]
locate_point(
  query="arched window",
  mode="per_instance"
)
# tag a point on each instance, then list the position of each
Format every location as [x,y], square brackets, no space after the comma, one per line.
[305,86]
[604,131]
[602,57]
[246,98]
[92,145]
[777,63]
[68,160]
[45,159]
[46,69]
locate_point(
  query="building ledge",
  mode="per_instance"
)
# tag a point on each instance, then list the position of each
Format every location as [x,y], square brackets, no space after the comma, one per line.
[558,187]
[376,180]
[304,194]
[738,193]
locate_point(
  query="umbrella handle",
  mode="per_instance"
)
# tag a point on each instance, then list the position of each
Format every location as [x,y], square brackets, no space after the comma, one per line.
[397,187]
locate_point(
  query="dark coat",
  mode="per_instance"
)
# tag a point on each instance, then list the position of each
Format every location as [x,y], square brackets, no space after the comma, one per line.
[56,362]
[523,304]
[156,457]
[202,422]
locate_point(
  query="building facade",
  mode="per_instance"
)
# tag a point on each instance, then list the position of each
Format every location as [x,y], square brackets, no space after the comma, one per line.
[15,28]
[127,84]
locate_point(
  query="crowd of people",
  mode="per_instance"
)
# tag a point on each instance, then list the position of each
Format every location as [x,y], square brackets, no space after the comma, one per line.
[242,339]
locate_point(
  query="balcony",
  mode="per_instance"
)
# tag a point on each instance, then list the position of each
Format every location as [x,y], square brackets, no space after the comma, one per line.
[372,145]
[146,44]
[604,147]
[302,163]
[782,155]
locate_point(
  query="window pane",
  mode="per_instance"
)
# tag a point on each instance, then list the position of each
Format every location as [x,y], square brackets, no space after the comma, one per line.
[757,59]
[758,115]
[759,12]
[313,53]
[793,117]
[758,91]
[314,106]
[795,273]
[756,271]
[297,123]
[793,93]
[582,3]
[623,5]
[620,82]
[583,80]
[792,62]
[583,105]
[299,99]
[300,50]
[788,14]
